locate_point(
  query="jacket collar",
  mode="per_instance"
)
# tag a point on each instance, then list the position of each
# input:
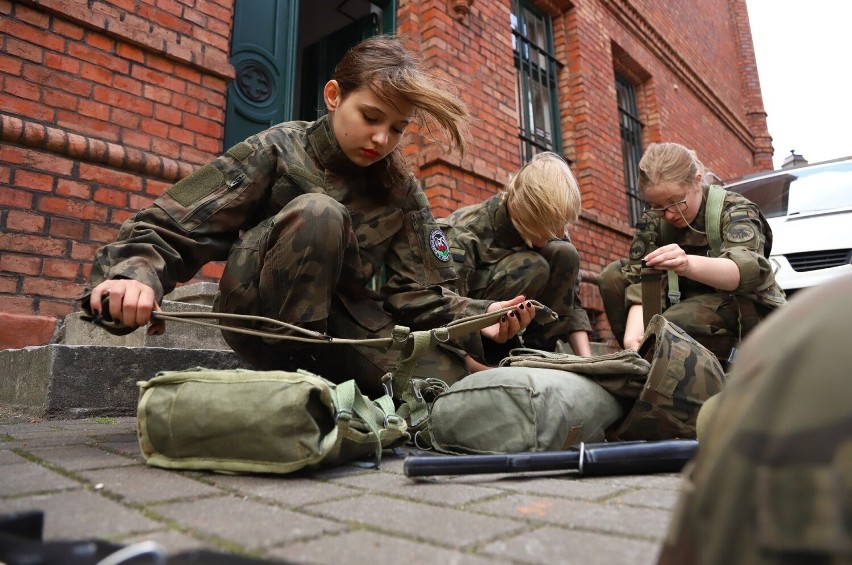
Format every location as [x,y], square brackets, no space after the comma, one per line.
[328,151]
[505,234]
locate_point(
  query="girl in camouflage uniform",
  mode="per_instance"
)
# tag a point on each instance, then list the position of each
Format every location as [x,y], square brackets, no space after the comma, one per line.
[723,297]
[517,243]
[306,214]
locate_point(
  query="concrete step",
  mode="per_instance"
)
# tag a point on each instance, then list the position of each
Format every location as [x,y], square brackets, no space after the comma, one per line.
[178,335]
[76,381]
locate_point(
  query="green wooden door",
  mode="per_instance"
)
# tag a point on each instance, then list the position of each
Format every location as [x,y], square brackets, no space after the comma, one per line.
[263,53]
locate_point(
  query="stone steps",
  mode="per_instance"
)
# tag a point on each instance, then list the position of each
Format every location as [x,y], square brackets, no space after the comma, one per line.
[91,372]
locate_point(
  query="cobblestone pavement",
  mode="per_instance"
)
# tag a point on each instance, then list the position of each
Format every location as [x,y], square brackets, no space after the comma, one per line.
[89,479]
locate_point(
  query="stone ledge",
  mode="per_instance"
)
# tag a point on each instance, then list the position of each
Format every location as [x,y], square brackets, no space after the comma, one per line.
[68,381]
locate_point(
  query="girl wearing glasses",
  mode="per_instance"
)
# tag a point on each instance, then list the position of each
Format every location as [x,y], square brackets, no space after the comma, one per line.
[722,296]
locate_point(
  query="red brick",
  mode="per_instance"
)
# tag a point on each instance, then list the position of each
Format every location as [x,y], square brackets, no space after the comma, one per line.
[98,58]
[66,229]
[102,234]
[35,181]
[32,244]
[21,330]
[73,189]
[65,28]
[110,177]
[23,264]
[15,198]
[138,201]
[111,197]
[24,50]
[10,66]
[61,268]
[72,209]
[24,221]
[36,159]
[83,251]
[52,288]
[56,309]
[62,63]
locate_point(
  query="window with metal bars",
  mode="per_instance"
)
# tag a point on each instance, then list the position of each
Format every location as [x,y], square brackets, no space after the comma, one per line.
[631,145]
[536,90]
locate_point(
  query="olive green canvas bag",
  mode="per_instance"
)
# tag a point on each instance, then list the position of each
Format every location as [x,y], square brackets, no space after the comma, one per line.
[519,409]
[662,386]
[244,421]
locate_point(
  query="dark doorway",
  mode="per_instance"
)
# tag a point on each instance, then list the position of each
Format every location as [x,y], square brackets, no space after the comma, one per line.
[284,51]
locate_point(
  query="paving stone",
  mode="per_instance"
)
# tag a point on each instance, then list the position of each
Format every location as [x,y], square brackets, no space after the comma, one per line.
[611,517]
[442,492]
[444,526]
[570,547]
[288,491]
[575,487]
[650,497]
[8,457]
[173,542]
[80,457]
[245,522]
[81,514]
[24,478]
[365,547]
[144,484]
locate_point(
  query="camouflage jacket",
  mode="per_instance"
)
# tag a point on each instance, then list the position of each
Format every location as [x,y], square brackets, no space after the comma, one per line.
[201,217]
[480,236]
[746,240]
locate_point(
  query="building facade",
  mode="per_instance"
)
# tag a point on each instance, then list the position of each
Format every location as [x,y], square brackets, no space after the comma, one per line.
[105,103]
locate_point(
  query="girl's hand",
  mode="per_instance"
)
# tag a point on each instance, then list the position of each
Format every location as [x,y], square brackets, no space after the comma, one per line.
[130,302]
[669,258]
[512,322]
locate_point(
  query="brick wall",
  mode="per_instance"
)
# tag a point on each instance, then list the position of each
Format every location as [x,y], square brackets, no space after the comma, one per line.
[105,103]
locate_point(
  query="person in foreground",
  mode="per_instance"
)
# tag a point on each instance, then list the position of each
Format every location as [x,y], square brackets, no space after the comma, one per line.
[517,242]
[306,214]
[772,481]
[724,293]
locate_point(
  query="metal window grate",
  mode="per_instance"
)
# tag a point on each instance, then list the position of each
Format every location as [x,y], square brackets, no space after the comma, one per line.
[536,88]
[631,145]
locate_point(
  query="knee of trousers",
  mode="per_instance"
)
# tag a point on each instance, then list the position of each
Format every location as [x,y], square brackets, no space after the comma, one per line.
[562,256]
[525,272]
[311,220]
[611,280]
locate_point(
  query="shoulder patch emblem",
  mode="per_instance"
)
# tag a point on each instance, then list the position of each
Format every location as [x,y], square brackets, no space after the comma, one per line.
[439,245]
[740,233]
[738,215]
[637,250]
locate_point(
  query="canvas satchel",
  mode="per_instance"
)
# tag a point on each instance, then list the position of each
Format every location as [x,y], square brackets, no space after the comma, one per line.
[518,409]
[661,386]
[244,421]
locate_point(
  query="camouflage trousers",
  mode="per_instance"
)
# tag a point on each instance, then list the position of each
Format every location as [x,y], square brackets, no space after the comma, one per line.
[716,320]
[551,276]
[297,267]
[772,481]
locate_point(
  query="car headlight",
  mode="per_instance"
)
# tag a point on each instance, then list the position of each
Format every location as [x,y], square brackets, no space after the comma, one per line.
[775,265]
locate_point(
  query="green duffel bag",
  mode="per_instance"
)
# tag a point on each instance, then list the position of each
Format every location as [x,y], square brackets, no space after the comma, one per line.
[517,409]
[244,421]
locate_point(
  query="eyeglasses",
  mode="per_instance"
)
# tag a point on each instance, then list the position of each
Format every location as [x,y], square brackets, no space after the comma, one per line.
[680,206]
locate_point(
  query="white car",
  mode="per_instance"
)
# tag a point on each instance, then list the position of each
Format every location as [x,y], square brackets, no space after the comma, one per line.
[810,211]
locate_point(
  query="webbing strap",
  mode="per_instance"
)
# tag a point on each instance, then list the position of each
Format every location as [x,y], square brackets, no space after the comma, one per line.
[652,300]
[350,401]
[667,235]
[713,219]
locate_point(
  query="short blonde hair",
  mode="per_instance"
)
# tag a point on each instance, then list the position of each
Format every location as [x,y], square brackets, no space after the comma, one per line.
[542,197]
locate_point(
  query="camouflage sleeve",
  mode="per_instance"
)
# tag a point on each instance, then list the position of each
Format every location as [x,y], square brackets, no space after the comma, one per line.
[419,268]
[645,240]
[743,242]
[194,222]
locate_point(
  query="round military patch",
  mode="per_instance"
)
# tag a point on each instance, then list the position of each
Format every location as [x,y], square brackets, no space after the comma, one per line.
[439,245]
[637,250]
[740,232]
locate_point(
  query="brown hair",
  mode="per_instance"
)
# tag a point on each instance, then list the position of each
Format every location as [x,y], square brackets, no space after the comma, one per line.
[390,69]
[542,197]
